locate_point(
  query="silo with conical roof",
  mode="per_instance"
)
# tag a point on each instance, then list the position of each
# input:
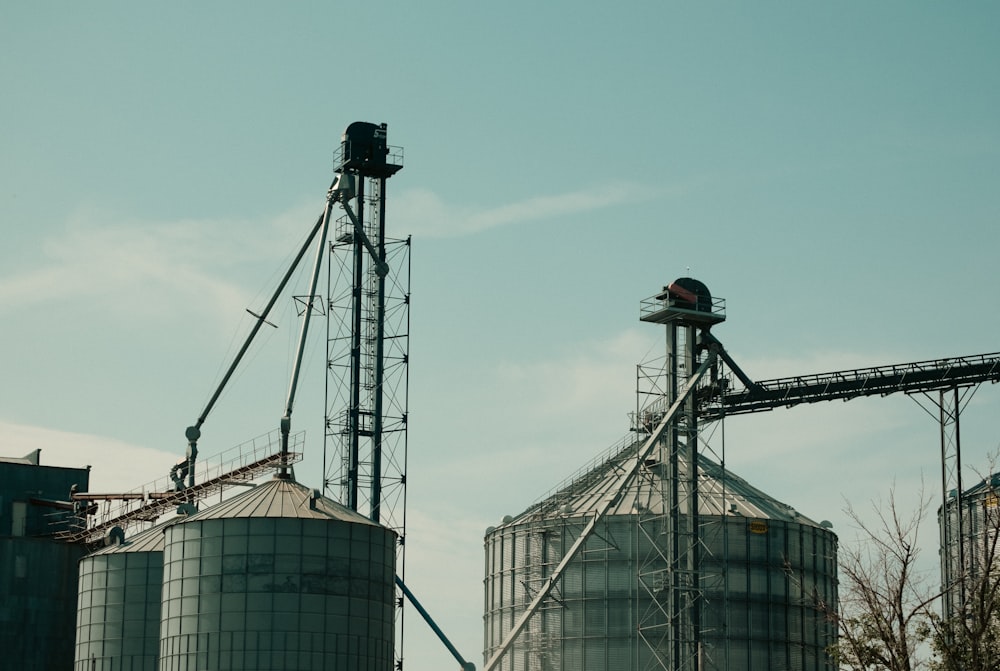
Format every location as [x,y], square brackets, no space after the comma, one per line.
[118,603]
[972,550]
[767,580]
[276,578]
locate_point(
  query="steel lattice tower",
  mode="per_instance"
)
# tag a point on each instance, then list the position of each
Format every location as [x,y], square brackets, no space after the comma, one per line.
[670,573]
[367,382]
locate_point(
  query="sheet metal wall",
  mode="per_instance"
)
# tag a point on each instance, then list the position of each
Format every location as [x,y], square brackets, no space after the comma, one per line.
[590,623]
[38,575]
[118,611]
[980,526]
[781,576]
[776,575]
[38,583]
[276,593]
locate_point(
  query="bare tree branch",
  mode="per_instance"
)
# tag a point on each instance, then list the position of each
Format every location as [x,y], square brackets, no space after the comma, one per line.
[885,600]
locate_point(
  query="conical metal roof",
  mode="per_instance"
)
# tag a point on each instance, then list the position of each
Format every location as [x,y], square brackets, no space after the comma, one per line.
[720,492]
[281,498]
[149,540]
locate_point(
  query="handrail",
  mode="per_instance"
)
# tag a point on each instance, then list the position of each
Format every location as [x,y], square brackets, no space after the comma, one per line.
[238,464]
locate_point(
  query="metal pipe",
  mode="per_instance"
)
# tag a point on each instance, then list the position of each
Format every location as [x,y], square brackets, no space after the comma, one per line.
[466,666]
[376,485]
[193,433]
[286,420]
[354,459]
[260,322]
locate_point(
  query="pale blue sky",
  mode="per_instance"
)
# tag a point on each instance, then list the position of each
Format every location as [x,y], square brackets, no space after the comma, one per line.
[831,169]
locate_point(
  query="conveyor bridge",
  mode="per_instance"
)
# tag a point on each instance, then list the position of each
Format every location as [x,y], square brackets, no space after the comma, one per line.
[237,466]
[909,378]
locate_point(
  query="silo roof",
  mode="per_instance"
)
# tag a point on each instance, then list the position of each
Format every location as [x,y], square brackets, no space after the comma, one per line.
[281,498]
[721,492]
[149,540]
[987,485]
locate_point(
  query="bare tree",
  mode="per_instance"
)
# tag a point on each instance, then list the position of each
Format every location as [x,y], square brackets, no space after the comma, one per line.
[890,613]
[884,597]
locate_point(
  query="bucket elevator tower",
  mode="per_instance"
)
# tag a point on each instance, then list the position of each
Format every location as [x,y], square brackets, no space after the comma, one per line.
[368,297]
[722,571]
[669,575]
[367,339]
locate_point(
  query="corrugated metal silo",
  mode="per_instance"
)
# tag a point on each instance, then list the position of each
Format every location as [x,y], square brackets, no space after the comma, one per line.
[278,578]
[978,527]
[764,569]
[118,607]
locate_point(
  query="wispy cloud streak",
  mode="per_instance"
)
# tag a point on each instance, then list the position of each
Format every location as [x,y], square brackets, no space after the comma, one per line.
[424,213]
[118,265]
[122,263]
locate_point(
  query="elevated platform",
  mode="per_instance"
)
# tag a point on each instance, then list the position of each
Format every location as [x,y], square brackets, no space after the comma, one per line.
[363,149]
[664,308]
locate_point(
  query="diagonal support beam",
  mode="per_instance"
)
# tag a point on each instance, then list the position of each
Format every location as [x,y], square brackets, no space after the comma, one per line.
[380,266]
[612,497]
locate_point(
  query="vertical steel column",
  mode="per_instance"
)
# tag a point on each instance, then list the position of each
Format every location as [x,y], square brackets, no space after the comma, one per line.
[668,574]
[376,487]
[954,528]
[952,514]
[684,516]
[355,407]
[690,618]
[673,500]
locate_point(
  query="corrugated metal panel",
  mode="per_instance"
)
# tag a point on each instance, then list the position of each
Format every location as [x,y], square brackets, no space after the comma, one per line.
[281,498]
[757,562]
[118,606]
[150,540]
[274,579]
[721,492]
[980,522]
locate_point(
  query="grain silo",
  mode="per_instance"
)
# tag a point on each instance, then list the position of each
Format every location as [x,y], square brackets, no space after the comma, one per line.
[278,577]
[657,557]
[969,555]
[764,570]
[118,607]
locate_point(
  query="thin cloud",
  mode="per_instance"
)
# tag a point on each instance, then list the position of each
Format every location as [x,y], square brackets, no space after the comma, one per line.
[115,465]
[588,380]
[555,414]
[444,571]
[125,267]
[423,212]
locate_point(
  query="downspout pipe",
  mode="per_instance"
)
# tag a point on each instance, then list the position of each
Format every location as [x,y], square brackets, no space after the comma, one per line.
[465,666]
